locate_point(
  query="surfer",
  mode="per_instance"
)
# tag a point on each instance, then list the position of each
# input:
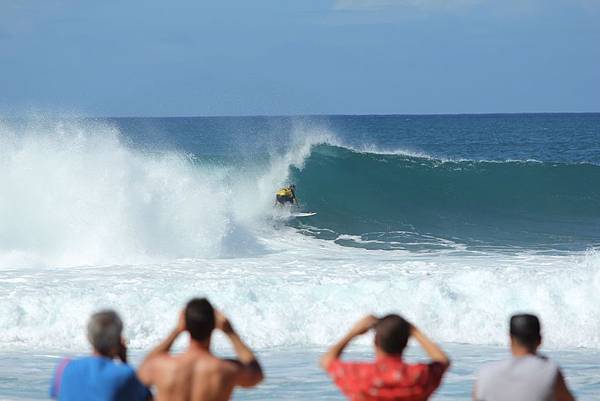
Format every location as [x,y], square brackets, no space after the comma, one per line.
[286,195]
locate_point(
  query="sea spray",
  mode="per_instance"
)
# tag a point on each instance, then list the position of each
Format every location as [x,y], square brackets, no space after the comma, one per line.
[305,294]
[76,193]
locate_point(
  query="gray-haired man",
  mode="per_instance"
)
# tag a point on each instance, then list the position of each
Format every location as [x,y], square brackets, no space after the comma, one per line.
[103,376]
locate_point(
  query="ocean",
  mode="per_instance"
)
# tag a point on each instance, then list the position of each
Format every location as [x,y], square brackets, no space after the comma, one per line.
[454,221]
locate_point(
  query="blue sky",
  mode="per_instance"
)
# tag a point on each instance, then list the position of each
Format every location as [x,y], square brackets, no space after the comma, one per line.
[274,57]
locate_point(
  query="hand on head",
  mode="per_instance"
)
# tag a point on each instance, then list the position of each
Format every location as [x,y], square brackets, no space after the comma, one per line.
[369,322]
[222,323]
[180,328]
[365,324]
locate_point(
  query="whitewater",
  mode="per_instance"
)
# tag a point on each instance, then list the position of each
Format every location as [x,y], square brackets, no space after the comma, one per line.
[141,215]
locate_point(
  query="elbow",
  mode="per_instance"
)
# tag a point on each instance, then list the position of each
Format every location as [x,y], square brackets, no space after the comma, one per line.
[325,362]
[259,377]
[256,378]
[444,360]
[253,376]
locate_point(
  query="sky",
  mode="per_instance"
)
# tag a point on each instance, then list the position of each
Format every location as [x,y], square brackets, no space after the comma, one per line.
[284,57]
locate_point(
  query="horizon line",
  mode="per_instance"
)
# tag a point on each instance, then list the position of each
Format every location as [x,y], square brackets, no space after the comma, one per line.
[337,115]
[74,115]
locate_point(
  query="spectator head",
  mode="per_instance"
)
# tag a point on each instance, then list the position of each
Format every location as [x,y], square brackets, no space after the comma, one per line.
[104,331]
[526,331]
[199,319]
[391,334]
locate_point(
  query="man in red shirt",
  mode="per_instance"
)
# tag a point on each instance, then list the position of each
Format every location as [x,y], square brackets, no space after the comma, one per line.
[388,377]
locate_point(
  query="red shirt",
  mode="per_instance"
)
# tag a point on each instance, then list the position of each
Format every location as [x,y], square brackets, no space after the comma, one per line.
[388,378]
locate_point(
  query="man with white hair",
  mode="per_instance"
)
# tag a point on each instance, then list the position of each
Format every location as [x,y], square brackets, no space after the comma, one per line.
[104,375]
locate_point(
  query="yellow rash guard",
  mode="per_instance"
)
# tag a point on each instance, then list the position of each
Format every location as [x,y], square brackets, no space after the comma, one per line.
[285,192]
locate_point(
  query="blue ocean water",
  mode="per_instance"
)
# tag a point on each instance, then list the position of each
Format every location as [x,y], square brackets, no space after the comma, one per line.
[480,180]
[454,221]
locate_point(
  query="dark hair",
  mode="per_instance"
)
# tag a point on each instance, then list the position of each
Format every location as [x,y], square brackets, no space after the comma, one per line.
[104,331]
[199,318]
[391,334]
[526,330]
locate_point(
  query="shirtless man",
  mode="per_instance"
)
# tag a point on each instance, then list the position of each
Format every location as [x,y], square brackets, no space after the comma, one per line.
[198,375]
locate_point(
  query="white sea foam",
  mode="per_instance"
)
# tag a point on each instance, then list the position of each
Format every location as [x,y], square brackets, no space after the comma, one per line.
[305,292]
[417,154]
[373,149]
[74,194]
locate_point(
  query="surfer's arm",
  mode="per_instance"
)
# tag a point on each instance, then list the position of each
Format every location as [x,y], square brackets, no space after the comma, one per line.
[361,327]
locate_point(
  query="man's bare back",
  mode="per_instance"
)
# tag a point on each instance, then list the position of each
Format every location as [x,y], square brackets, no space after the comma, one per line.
[197,375]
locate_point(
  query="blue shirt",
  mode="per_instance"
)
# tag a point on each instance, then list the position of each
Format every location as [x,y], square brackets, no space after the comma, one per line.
[96,378]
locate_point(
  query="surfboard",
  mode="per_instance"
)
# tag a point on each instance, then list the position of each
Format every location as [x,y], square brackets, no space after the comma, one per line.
[306,214]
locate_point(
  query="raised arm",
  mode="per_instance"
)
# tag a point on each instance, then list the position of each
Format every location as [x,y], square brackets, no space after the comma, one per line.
[250,373]
[361,327]
[431,349]
[145,369]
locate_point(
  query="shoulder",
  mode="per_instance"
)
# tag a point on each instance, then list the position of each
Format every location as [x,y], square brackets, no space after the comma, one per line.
[117,371]
[105,367]
[123,369]
[154,367]
[488,374]
[492,368]
[339,368]
[531,364]
[546,366]
[82,360]
[544,360]
[161,359]
[426,366]
[63,362]
[68,364]
[225,368]
[225,365]
[427,374]
[159,363]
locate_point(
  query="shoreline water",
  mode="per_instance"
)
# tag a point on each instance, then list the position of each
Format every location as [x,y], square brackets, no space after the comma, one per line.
[294,375]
